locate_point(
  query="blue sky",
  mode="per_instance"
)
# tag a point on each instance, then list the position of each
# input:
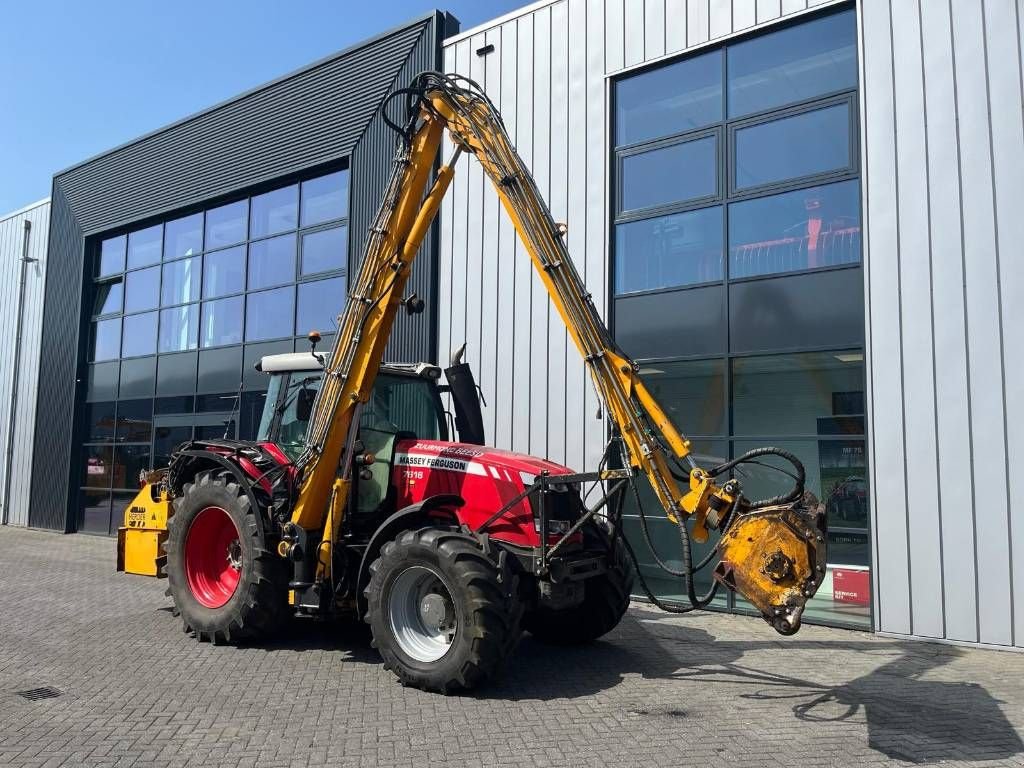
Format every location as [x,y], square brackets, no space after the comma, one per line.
[77,78]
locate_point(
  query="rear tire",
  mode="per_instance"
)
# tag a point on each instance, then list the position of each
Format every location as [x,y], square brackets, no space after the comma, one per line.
[444,616]
[605,601]
[226,586]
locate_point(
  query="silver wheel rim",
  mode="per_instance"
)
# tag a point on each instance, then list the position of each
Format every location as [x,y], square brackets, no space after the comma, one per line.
[422,614]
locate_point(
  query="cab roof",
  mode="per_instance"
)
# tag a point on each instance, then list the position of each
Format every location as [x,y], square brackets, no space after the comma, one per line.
[306,361]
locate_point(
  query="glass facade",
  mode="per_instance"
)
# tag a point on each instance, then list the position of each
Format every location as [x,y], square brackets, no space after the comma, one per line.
[181,311]
[737,205]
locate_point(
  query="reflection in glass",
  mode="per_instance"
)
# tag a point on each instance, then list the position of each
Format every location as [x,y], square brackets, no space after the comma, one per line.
[165,440]
[670,174]
[270,315]
[325,198]
[98,420]
[691,392]
[98,466]
[112,252]
[812,393]
[183,237]
[669,100]
[142,289]
[224,272]
[134,421]
[108,297]
[144,246]
[129,462]
[805,229]
[795,146]
[139,336]
[320,303]
[106,339]
[179,328]
[324,250]
[273,212]
[226,225]
[679,249]
[95,514]
[272,262]
[222,322]
[793,64]
[181,281]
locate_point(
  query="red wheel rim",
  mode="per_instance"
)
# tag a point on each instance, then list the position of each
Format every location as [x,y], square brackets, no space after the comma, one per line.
[213,557]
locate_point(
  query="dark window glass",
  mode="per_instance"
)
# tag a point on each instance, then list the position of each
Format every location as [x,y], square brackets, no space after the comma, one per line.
[226,225]
[222,322]
[108,298]
[324,250]
[805,229]
[183,237]
[144,246]
[325,198]
[670,174]
[181,282]
[98,468]
[134,421]
[793,64]
[139,336]
[669,100]
[320,302]
[224,272]
[691,392]
[106,339]
[179,328]
[138,376]
[275,211]
[674,250]
[112,256]
[793,394]
[253,354]
[249,412]
[98,419]
[795,146]
[220,369]
[227,429]
[174,404]
[270,314]
[165,440]
[142,289]
[129,462]
[176,374]
[272,262]
[215,403]
[102,383]
[95,511]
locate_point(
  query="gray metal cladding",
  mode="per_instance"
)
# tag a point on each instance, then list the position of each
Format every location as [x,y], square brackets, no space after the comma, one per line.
[548,76]
[18,408]
[944,163]
[310,118]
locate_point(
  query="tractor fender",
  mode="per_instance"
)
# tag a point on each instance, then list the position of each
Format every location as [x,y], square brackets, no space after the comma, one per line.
[413,516]
[240,477]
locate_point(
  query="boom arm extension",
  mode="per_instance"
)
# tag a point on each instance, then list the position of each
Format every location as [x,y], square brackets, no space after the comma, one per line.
[778,581]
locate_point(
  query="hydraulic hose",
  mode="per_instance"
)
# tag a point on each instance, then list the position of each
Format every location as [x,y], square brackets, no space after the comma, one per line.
[798,486]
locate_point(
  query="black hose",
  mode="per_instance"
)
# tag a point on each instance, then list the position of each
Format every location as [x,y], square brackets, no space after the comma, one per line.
[798,485]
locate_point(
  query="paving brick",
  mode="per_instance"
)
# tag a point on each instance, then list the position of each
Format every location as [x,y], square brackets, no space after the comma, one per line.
[700,690]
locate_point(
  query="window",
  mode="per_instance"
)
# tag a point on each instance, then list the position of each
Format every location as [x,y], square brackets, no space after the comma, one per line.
[667,251]
[222,322]
[804,229]
[226,225]
[144,246]
[142,289]
[112,252]
[183,237]
[274,212]
[758,169]
[324,251]
[181,281]
[224,272]
[325,198]
[320,302]
[106,341]
[669,100]
[109,295]
[178,328]
[139,335]
[272,262]
[270,314]
[692,392]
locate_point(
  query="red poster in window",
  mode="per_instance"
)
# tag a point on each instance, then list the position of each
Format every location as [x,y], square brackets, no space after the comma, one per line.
[850,585]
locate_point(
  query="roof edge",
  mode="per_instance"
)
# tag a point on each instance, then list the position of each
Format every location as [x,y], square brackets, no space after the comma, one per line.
[25,209]
[497,22]
[422,19]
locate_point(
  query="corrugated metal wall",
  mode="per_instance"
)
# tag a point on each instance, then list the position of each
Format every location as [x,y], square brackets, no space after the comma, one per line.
[548,75]
[944,158]
[304,120]
[18,408]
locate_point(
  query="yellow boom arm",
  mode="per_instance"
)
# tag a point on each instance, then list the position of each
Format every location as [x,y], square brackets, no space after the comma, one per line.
[440,104]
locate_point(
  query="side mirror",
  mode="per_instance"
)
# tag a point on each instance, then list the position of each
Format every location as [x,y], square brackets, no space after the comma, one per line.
[304,404]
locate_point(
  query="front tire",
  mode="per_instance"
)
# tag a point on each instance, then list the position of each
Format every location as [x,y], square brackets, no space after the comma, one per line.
[444,616]
[226,586]
[605,601]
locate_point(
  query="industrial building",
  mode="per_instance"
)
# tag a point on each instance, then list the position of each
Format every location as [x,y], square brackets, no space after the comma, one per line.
[798,217]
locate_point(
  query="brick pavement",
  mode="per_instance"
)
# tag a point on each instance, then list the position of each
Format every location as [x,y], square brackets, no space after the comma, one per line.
[707,690]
